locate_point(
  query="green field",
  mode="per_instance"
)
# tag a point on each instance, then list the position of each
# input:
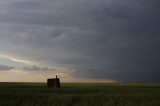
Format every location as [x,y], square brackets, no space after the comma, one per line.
[71,94]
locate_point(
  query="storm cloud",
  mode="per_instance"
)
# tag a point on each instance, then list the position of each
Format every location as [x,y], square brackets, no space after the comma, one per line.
[5,68]
[36,68]
[105,39]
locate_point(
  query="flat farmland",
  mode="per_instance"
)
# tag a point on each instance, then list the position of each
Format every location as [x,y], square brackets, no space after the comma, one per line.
[79,94]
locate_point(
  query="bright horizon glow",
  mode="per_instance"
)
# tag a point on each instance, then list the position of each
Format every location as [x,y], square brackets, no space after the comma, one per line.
[34,76]
[18,75]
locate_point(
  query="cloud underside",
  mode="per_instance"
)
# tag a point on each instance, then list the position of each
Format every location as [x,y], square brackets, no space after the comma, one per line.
[5,68]
[105,39]
[36,68]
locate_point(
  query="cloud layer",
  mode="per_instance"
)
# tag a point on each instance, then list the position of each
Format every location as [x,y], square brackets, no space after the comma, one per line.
[5,68]
[105,39]
[36,68]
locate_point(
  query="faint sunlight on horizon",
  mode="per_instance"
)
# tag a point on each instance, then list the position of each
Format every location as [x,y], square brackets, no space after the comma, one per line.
[32,76]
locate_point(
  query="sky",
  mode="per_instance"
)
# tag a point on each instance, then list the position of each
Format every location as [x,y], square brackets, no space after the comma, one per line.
[80,40]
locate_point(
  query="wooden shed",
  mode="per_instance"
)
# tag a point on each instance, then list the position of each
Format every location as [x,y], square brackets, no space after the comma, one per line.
[53,82]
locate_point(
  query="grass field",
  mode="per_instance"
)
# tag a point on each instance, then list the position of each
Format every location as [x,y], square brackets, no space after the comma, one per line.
[72,94]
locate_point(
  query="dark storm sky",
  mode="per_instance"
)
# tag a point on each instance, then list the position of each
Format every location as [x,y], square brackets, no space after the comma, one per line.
[97,39]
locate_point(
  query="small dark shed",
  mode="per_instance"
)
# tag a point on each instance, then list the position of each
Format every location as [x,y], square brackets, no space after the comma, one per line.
[53,82]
